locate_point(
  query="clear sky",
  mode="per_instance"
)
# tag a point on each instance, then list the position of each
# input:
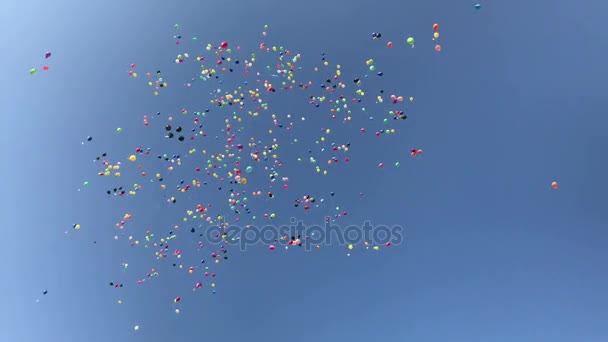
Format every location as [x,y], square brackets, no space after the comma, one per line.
[514,101]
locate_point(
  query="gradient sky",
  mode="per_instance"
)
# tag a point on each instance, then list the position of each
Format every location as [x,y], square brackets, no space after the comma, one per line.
[515,100]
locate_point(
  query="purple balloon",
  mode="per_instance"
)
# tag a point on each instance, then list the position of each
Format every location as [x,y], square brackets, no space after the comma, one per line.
[47,55]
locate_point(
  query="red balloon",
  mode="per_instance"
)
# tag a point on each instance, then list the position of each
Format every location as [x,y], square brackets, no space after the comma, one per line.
[224,45]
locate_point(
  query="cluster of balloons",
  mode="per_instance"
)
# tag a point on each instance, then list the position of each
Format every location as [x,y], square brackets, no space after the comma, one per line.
[436,36]
[45,67]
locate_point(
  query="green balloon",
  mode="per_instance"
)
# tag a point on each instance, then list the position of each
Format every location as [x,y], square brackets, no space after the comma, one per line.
[410,40]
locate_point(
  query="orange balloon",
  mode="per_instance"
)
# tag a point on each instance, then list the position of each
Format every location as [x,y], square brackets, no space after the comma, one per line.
[435,27]
[554,185]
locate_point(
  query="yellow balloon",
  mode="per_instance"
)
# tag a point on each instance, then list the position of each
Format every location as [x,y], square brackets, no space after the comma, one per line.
[133,158]
[436,35]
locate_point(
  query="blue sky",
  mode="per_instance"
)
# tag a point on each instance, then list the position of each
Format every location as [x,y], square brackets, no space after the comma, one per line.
[514,101]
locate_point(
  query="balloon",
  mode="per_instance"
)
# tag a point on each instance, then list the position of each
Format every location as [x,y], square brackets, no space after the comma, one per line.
[435,27]
[410,40]
[554,185]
